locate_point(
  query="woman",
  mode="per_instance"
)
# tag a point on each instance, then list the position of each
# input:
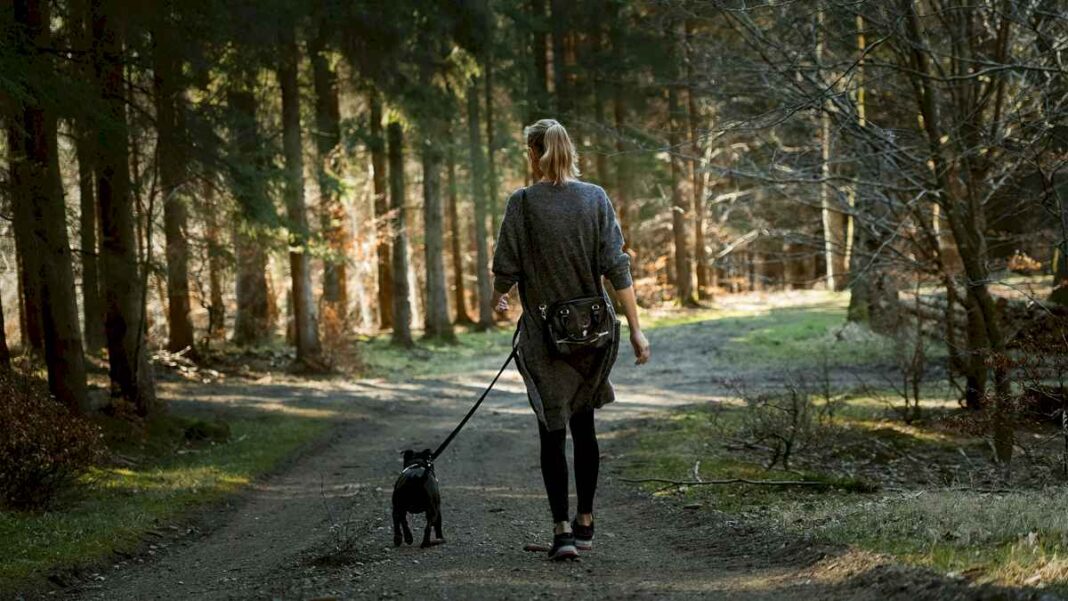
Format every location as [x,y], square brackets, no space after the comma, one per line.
[558,239]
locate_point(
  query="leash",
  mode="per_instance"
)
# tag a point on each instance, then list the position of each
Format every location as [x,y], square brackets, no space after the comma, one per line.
[463,422]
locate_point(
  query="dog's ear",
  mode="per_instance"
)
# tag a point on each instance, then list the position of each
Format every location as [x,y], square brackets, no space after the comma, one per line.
[408,454]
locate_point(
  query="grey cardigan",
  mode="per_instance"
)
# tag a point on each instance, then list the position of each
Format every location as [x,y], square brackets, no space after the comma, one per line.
[549,253]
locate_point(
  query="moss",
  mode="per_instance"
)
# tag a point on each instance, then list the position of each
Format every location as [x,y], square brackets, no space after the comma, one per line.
[123,503]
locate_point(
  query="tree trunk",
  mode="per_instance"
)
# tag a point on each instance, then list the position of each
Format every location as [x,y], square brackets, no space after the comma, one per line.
[538,83]
[131,375]
[597,58]
[216,306]
[38,207]
[478,196]
[172,175]
[1059,293]
[5,353]
[328,165]
[491,171]
[253,322]
[92,306]
[26,250]
[438,325]
[859,239]
[622,168]
[832,218]
[684,295]
[455,229]
[402,307]
[309,351]
[561,90]
[698,177]
[381,208]
[963,214]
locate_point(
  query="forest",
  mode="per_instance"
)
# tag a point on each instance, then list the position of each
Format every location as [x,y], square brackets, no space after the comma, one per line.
[244,240]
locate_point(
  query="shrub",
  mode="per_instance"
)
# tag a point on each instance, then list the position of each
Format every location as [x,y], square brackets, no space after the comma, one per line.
[783,422]
[43,447]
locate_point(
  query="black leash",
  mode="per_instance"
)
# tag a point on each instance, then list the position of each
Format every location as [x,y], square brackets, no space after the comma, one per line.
[445,443]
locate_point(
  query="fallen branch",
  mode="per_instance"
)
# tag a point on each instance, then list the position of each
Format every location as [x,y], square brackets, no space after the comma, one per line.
[729,481]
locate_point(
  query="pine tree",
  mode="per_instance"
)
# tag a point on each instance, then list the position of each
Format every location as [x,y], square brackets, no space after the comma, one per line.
[327,137]
[130,372]
[377,142]
[304,311]
[402,308]
[172,175]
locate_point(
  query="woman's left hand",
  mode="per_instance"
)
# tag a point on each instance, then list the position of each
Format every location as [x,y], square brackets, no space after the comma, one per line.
[500,304]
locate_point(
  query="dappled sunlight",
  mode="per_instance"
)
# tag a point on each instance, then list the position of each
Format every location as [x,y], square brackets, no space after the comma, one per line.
[918,433]
[184,479]
[293,410]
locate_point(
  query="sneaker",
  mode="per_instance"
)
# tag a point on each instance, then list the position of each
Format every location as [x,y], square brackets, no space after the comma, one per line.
[583,535]
[563,547]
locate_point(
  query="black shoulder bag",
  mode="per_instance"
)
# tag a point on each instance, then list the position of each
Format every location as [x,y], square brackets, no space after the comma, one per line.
[576,326]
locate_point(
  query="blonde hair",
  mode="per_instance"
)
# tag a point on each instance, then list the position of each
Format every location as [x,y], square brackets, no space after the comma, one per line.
[558,159]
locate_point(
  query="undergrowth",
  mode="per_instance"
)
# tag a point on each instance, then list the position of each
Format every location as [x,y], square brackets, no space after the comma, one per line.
[152,479]
[921,491]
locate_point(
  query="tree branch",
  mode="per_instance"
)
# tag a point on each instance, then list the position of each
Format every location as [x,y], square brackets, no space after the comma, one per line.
[729,481]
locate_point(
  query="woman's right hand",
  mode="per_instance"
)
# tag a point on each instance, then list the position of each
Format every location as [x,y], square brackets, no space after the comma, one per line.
[641,347]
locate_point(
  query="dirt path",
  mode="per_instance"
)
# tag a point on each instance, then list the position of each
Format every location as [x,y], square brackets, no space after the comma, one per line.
[275,541]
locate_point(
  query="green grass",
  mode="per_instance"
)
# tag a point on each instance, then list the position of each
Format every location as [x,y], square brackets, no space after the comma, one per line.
[434,358]
[1011,538]
[799,332]
[122,504]
[1007,538]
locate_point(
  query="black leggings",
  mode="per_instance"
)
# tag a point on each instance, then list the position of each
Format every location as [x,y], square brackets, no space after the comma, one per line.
[554,464]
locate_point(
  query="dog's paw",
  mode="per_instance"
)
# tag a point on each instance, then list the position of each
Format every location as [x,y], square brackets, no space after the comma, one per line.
[408,539]
[396,541]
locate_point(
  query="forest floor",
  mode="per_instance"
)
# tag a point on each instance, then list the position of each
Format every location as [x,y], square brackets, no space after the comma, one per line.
[319,528]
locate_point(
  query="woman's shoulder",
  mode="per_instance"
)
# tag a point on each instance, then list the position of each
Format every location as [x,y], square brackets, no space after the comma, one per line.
[590,188]
[575,188]
[595,195]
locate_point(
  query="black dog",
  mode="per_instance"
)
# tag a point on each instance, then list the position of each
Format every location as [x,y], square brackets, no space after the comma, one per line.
[416,491]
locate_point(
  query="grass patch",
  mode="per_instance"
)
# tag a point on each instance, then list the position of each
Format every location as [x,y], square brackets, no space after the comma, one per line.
[1013,538]
[1004,537]
[122,504]
[470,352]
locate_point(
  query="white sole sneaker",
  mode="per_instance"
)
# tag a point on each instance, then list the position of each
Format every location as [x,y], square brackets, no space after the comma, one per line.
[564,552]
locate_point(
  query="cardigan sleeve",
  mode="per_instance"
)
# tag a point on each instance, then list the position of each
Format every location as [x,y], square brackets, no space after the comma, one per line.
[507,261]
[615,263]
